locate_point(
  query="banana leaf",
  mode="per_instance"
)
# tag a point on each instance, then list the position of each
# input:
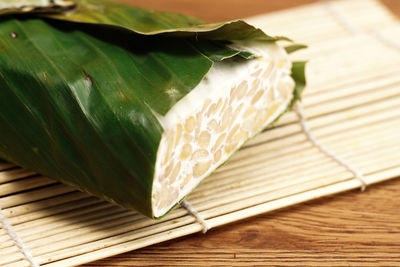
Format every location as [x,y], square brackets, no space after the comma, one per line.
[98,95]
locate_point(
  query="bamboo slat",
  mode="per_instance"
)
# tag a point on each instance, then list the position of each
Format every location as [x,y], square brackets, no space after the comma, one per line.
[352,103]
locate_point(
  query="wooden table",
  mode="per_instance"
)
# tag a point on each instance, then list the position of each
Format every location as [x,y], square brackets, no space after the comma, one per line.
[352,229]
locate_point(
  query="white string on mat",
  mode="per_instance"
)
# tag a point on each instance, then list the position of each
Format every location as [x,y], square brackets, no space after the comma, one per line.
[303,122]
[17,240]
[192,211]
[346,23]
[386,41]
[341,18]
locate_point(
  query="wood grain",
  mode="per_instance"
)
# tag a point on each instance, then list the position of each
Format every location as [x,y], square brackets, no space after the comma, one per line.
[350,229]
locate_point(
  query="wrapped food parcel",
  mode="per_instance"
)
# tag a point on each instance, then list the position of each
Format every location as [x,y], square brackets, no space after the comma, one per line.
[132,105]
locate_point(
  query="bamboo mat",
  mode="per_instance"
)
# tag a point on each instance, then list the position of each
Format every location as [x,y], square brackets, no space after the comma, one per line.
[352,103]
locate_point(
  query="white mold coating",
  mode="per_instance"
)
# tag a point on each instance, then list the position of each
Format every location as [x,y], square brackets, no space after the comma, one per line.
[236,100]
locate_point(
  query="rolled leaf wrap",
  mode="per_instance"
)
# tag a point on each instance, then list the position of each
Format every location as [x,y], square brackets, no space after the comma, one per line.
[131,105]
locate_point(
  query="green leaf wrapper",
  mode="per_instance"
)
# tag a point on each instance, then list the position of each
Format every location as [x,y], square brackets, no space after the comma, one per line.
[81,92]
